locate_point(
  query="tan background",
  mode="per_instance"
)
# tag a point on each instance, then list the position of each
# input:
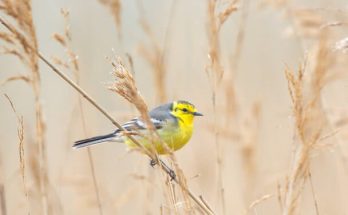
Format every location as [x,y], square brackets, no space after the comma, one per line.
[267,49]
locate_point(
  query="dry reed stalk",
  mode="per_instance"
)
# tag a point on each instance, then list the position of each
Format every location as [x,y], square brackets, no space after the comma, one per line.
[124,85]
[313,24]
[215,72]
[173,198]
[205,202]
[72,64]
[237,53]
[182,178]
[248,149]
[115,8]
[307,24]
[249,138]
[279,196]
[309,120]
[258,201]
[215,67]
[20,134]
[154,54]
[155,57]
[231,105]
[3,209]
[215,22]
[15,78]
[23,44]
[313,193]
[149,192]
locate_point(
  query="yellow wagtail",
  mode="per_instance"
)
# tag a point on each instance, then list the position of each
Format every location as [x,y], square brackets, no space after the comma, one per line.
[173,122]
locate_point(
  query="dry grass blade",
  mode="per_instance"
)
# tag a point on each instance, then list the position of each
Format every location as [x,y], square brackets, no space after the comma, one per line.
[224,15]
[215,72]
[309,120]
[249,142]
[154,53]
[279,196]
[16,53]
[214,69]
[60,39]
[313,193]
[115,7]
[60,62]
[205,202]
[65,41]
[2,200]
[124,85]
[24,45]
[215,22]
[21,12]
[6,37]
[258,201]
[20,134]
[154,56]
[15,78]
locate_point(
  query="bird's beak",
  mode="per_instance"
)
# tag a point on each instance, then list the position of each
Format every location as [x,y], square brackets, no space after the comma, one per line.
[197,114]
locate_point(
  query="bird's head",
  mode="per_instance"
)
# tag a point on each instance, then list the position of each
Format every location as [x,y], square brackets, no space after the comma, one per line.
[184,111]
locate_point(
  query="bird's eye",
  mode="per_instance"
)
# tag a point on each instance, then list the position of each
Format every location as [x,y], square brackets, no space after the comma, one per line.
[184,110]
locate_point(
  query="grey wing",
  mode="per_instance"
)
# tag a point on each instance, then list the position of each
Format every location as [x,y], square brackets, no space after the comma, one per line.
[159,117]
[162,115]
[137,124]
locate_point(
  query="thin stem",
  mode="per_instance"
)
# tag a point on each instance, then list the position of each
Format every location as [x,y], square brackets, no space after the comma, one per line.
[2,200]
[312,189]
[91,164]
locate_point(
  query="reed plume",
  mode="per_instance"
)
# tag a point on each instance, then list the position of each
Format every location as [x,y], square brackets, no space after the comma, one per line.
[23,45]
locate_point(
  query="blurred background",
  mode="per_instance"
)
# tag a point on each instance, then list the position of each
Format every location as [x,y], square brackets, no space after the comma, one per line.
[241,153]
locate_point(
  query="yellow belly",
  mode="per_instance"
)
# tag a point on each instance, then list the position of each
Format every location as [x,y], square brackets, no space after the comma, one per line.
[175,139]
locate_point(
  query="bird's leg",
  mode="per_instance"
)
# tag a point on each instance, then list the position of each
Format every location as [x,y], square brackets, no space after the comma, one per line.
[153,162]
[172,175]
[168,170]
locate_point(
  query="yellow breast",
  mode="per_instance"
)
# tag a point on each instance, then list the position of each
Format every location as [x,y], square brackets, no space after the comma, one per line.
[182,136]
[174,136]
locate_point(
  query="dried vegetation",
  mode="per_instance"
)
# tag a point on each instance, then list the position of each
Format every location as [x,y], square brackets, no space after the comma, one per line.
[317,128]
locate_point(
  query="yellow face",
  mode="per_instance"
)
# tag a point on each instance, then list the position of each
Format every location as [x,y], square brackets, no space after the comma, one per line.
[185,112]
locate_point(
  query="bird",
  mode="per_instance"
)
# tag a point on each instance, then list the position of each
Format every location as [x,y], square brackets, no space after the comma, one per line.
[172,121]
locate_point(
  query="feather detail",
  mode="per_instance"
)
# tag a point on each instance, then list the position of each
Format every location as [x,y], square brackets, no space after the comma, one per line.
[95,140]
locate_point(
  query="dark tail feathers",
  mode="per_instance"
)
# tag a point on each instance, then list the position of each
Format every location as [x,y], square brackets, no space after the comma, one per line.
[93,140]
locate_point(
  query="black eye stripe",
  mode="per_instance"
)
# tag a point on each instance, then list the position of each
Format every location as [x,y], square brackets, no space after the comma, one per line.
[183,109]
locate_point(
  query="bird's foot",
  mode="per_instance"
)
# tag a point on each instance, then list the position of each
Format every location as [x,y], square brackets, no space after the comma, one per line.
[169,171]
[172,175]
